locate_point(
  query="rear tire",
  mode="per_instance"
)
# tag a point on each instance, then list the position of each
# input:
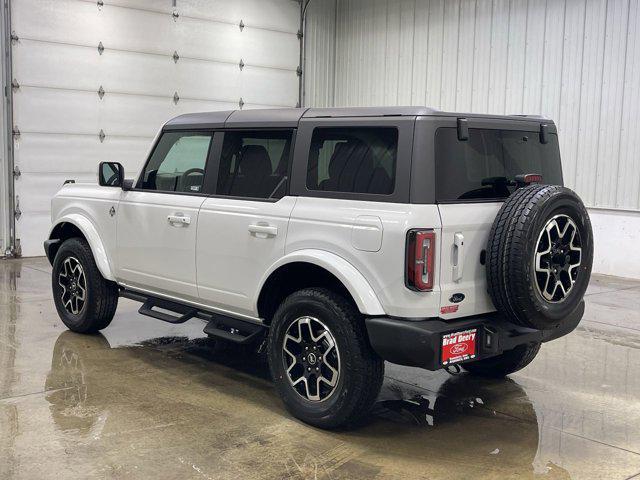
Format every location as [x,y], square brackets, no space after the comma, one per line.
[86,302]
[505,363]
[317,333]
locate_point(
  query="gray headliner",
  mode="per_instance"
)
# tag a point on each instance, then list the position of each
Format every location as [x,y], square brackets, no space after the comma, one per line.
[290,117]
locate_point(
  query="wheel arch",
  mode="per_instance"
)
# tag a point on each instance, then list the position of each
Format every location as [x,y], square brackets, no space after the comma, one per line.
[307,268]
[75,225]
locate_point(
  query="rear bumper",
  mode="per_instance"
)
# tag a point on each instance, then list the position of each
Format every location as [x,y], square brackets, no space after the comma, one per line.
[417,343]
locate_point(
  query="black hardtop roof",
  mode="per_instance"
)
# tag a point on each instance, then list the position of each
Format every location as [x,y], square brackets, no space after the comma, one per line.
[290,117]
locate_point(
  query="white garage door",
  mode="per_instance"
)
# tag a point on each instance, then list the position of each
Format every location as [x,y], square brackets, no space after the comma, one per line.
[95,81]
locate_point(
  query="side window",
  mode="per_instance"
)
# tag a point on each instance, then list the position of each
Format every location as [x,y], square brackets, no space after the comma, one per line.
[177,163]
[353,159]
[255,164]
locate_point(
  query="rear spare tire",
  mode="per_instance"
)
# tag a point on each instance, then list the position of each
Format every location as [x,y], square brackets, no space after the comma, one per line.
[539,256]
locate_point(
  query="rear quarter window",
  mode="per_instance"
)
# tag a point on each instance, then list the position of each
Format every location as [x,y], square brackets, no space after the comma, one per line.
[484,167]
[353,159]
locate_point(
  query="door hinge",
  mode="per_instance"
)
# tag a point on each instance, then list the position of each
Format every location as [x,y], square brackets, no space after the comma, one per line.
[299,71]
[175,57]
[14,36]
[16,132]
[241,25]
[241,64]
[101,135]
[16,171]
[299,34]
[101,92]
[100,48]
[17,213]
[14,84]
[176,98]
[241,103]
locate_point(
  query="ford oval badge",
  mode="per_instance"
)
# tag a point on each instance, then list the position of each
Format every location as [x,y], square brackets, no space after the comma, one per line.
[457,298]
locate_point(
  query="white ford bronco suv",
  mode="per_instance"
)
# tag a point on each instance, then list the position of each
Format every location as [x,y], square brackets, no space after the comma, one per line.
[336,238]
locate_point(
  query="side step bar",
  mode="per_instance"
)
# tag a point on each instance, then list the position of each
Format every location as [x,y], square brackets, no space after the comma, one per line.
[218,326]
[237,331]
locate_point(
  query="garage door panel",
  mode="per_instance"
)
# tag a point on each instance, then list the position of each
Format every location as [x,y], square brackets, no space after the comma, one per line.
[206,80]
[281,15]
[73,67]
[224,42]
[75,154]
[276,87]
[48,110]
[268,48]
[35,190]
[193,105]
[57,20]
[37,225]
[61,111]
[153,5]
[209,80]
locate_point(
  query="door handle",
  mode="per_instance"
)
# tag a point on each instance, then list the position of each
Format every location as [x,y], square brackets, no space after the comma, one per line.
[458,256]
[263,231]
[178,219]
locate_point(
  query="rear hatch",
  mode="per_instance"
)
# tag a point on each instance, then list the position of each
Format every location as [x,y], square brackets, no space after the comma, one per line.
[476,162]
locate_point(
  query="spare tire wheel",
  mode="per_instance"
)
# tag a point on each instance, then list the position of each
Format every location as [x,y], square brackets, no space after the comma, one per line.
[539,256]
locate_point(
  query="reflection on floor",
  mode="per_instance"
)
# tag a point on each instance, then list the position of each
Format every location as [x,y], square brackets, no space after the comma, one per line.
[153,400]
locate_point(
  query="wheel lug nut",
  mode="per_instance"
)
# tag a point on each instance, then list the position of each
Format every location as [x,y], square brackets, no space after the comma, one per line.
[304,359]
[309,369]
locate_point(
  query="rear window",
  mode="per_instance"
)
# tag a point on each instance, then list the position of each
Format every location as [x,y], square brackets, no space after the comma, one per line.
[353,159]
[484,167]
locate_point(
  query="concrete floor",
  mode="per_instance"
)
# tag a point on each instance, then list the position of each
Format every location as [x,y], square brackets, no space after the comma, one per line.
[153,400]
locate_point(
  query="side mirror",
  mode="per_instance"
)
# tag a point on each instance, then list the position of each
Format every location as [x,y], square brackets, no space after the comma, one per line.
[110,174]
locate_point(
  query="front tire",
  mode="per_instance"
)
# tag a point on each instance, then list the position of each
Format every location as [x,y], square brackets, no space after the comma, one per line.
[320,359]
[86,302]
[505,363]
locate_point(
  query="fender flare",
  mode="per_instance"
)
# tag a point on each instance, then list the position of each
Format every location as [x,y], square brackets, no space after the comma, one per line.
[93,238]
[359,288]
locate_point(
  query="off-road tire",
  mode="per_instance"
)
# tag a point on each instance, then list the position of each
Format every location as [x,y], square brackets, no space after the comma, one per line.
[505,363]
[101,294]
[361,369]
[511,252]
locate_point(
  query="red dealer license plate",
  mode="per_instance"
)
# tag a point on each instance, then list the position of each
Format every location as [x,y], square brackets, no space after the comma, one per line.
[459,346]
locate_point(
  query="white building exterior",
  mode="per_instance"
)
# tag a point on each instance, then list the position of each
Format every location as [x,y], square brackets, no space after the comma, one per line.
[576,61]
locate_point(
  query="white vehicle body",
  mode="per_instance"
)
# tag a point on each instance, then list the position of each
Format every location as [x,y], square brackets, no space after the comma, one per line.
[217,253]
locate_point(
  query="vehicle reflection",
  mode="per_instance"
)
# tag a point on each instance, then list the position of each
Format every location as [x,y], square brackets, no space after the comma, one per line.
[466,419]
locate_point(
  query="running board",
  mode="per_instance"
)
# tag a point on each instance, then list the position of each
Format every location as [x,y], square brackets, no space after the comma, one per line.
[233,330]
[185,312]
[218,326]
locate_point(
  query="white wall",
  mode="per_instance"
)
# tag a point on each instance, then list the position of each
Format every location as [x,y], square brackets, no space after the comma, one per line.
[617,234]
[576,61]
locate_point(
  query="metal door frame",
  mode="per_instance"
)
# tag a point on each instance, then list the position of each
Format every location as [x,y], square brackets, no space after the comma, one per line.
[10,245]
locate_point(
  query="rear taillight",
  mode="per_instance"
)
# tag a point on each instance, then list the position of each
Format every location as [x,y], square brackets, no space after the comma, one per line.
[420,259]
